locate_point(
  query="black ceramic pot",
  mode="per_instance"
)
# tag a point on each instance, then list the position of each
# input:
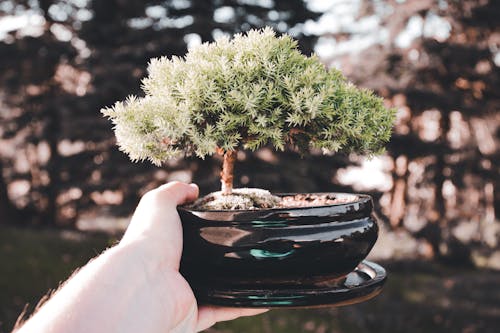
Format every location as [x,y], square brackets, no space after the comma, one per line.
[275,249]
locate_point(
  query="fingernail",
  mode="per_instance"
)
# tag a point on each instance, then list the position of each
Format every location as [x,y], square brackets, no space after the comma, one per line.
[193,186]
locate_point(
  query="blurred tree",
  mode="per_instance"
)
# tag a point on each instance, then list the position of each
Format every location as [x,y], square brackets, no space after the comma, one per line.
[437,61]
[81,56]
[35,123]
[437,65]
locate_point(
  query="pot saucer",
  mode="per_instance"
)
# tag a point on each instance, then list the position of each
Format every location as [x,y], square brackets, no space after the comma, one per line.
[363,283]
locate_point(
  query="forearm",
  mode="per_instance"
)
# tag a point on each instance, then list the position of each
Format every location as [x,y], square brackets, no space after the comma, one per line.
[119,291]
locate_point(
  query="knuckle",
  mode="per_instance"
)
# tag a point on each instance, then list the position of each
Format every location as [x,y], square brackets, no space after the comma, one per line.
[164,193]
[152,196]
[170,186]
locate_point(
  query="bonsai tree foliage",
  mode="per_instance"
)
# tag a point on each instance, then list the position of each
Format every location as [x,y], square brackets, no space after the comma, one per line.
[243,93]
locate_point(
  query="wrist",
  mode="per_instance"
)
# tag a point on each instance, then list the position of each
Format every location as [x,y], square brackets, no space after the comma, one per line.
[145,257]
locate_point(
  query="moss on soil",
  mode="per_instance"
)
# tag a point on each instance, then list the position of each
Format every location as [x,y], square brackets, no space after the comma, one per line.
[241,198]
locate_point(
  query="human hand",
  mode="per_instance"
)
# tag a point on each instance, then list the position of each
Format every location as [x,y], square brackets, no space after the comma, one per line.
[156,232]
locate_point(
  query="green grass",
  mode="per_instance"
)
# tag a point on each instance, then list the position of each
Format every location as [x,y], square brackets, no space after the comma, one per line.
[418,297]
[36,261]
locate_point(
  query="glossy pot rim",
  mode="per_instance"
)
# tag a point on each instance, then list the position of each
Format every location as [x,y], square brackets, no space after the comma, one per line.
[361,202]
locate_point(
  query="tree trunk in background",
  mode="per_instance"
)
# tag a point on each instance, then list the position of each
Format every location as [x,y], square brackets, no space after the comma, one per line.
[441,164]
[399,190]
[5,206]
[52,130]
[203,12]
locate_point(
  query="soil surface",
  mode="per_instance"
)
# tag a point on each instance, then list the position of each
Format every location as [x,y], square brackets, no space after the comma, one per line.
[311,200]
[254,198]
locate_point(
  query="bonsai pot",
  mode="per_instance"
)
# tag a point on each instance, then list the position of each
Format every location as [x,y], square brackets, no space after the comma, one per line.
[258,258]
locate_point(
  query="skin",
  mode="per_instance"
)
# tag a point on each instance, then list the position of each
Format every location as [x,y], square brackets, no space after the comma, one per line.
[135,286]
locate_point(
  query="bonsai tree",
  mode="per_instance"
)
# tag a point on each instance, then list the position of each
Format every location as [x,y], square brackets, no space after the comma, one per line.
[253,90]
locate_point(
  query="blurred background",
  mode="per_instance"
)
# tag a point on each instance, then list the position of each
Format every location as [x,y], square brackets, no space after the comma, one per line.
[66,192]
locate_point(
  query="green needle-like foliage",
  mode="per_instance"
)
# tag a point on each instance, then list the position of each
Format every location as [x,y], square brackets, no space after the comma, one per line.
[247,92]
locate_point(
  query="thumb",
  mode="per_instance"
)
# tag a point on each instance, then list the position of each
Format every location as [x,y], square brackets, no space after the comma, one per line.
[177,193]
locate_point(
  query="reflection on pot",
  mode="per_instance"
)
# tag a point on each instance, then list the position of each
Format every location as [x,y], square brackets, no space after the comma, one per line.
[276,247]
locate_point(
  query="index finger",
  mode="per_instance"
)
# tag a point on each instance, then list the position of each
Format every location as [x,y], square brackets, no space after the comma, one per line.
[209,315]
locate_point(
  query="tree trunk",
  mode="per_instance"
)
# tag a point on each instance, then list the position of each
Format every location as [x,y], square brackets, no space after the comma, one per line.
[5,206]
[51,133]
[226,174]
[439,177]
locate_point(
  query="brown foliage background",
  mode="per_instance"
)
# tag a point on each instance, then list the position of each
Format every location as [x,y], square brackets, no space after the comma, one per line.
[59,163]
